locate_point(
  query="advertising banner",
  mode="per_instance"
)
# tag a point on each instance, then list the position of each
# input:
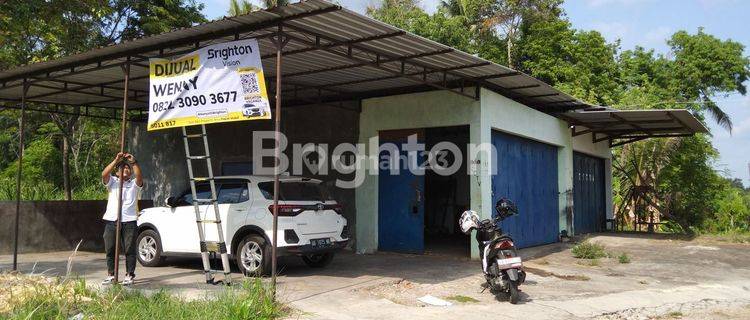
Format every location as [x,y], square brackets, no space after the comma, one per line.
[218,83]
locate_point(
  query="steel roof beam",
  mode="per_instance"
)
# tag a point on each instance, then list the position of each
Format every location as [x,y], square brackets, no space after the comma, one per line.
[419,73]
[632,139]
[652,132]
[375,64]
[500,75]
[357,65]
[80,91]
[524,87]
[83,86]
[544,95]
[338,43]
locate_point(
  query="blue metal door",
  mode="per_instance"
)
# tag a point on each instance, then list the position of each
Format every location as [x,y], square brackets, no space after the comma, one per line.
[527,175]
[400,203]
[588,193]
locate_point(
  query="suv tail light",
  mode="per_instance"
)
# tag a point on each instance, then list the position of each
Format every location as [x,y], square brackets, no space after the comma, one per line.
[287,210]
[291,210]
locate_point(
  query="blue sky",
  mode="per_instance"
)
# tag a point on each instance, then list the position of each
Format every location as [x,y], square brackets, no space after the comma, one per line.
[648,23]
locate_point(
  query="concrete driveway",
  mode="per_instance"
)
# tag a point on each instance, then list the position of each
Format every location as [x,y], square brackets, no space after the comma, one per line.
[666,278]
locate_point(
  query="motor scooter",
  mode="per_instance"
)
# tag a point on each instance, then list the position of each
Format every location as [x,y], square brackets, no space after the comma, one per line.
[501,264]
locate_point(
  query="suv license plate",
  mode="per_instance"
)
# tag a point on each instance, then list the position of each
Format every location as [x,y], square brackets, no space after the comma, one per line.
[321,243]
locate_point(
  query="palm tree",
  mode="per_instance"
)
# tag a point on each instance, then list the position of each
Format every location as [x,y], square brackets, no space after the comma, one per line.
[275,3]
[453,7]
[240,7]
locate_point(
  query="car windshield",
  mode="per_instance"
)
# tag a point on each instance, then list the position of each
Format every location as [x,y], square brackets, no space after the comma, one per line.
[296,191]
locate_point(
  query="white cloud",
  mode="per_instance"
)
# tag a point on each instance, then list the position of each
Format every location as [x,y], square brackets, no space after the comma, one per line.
[656,37]
[611,30]
[740,109]
[741,127]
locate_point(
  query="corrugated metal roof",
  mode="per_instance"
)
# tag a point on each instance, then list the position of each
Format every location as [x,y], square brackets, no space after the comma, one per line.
[634,125]
[384,60]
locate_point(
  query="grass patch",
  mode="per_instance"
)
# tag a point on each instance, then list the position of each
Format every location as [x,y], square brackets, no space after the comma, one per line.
[675,314]
[589,262]
[729,236]
[589,250]
[572,277]
[37,297]
[623,258]
[462,299]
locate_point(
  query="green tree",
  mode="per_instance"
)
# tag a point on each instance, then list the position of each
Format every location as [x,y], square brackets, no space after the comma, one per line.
[40,162]
[706,67]
[580,63]
[732,212]
[131,19]
[440,27]
[39,30]
[240,7]
[509,15]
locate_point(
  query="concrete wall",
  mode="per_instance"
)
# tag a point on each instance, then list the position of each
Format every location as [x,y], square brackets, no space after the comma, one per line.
[46,226]
[161,157]
[419,110]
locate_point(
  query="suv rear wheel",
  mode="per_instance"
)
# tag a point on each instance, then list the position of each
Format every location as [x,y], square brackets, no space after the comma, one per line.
[253,256]
[319,260]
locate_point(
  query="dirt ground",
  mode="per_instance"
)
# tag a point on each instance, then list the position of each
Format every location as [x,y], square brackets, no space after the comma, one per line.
[666,279]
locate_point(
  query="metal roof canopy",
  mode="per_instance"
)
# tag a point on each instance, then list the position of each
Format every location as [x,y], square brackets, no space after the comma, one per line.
[625,126]
[332,55]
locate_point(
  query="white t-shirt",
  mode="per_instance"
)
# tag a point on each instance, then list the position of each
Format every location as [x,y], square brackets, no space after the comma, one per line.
[130,194]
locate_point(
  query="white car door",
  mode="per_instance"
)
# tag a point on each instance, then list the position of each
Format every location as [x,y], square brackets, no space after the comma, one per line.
[233,201]
[180,232]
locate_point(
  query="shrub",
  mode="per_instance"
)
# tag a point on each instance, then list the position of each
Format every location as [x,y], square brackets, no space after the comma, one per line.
[623,258]
[589,250]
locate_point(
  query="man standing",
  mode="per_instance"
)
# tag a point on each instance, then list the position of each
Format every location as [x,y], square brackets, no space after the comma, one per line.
[131,189]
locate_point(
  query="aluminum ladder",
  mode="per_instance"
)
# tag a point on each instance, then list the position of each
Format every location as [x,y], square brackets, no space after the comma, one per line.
[207,247]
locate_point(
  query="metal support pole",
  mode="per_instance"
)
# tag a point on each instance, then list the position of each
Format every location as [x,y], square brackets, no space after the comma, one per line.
[120,167]
[277,153]
[19,172]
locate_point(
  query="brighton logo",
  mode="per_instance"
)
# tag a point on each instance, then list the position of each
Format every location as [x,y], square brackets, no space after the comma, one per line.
[351,163]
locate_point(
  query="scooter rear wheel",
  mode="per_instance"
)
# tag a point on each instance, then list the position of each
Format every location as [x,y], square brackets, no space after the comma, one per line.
[513,290]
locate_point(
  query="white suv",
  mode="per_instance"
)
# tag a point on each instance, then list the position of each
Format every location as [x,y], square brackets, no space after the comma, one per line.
[310,223]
